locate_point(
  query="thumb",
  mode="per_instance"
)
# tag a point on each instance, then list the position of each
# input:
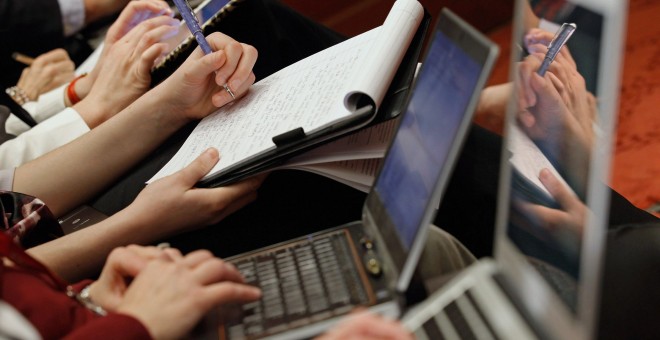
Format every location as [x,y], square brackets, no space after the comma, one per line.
[199,167]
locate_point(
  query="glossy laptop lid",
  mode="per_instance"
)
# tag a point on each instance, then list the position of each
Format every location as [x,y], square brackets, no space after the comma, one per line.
[421,156]
[551,252]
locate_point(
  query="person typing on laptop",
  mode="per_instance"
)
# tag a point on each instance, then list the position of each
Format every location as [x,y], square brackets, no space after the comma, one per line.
[155,304]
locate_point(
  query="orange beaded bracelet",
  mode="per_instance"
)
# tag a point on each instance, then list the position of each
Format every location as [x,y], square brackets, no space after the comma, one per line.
[71,90]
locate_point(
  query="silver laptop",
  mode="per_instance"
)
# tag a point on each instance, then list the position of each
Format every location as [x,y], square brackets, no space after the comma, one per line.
[310,282]
[544,279]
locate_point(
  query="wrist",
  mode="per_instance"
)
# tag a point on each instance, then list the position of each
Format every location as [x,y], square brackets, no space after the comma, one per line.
[72,93]
[84,298]
[18,95]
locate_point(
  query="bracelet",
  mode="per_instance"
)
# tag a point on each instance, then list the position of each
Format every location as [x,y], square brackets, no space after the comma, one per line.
[18,95]
[71,90]
[85,300]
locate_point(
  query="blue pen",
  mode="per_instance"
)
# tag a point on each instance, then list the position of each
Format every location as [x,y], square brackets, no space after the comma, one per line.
[191,21]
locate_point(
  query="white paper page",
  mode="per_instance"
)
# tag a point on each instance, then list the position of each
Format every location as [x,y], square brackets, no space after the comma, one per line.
[398,30]
[528,159]
[358,173]
[307,94]
[371,142]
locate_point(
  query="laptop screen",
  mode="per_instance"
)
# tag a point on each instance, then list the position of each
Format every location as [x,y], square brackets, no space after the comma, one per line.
[430,134]
[426,133]
[558,146]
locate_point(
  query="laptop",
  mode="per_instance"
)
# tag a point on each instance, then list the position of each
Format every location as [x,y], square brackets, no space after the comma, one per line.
[543,281]
[311,282]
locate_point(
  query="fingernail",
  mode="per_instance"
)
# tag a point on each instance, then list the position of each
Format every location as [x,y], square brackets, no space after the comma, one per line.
[255,290]
[210,154]
[229,266]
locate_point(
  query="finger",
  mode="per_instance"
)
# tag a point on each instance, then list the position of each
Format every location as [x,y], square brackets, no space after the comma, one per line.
[229,292]
[196,257]
[240,62]
[151,253]
[127,262]
[153,31]
[148,59]
[25,74]
[565,53]
[206,65]
[199,167]
[134,13]
[558,190]
[235,191]
[559,86]
[215,270]
[245,66]
[222,97]
[233,51]
[545,217]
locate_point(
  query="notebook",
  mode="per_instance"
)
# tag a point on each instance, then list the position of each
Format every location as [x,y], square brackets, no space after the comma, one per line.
[543,281]
[311,282]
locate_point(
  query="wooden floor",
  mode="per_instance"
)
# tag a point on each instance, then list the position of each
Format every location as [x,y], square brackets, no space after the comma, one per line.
[636,168]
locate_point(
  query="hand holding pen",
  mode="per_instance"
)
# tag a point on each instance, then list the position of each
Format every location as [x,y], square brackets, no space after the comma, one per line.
[190,19]
[558,41]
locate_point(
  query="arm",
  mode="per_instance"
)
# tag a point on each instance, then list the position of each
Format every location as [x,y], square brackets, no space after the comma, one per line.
[101,156]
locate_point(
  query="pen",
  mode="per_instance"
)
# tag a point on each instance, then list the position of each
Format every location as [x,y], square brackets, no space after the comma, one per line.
[191,21]
[22,58]
[558,41]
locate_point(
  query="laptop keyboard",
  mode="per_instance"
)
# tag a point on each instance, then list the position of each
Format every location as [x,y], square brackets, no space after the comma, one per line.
[303,283]
[460,319]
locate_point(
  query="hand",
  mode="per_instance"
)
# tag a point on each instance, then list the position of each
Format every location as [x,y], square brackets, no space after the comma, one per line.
[365,325]
[170,296]
[572,215]
[47,72]
[126,72]
[132,15]
[188,90]
[122,265]
[544,113]
[172,204]
[568,81]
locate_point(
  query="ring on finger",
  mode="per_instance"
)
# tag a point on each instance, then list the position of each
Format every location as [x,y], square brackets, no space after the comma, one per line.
[228,89]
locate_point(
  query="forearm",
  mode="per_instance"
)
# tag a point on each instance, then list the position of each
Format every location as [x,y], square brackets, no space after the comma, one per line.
[72,174]
[81,255]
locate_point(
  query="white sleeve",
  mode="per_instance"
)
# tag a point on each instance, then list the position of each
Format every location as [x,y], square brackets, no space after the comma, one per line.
[50,134]
[46,106]
[548,26]
[73,15]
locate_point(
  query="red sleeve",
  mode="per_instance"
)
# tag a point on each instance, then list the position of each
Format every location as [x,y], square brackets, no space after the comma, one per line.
[112,326]
[57,316]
